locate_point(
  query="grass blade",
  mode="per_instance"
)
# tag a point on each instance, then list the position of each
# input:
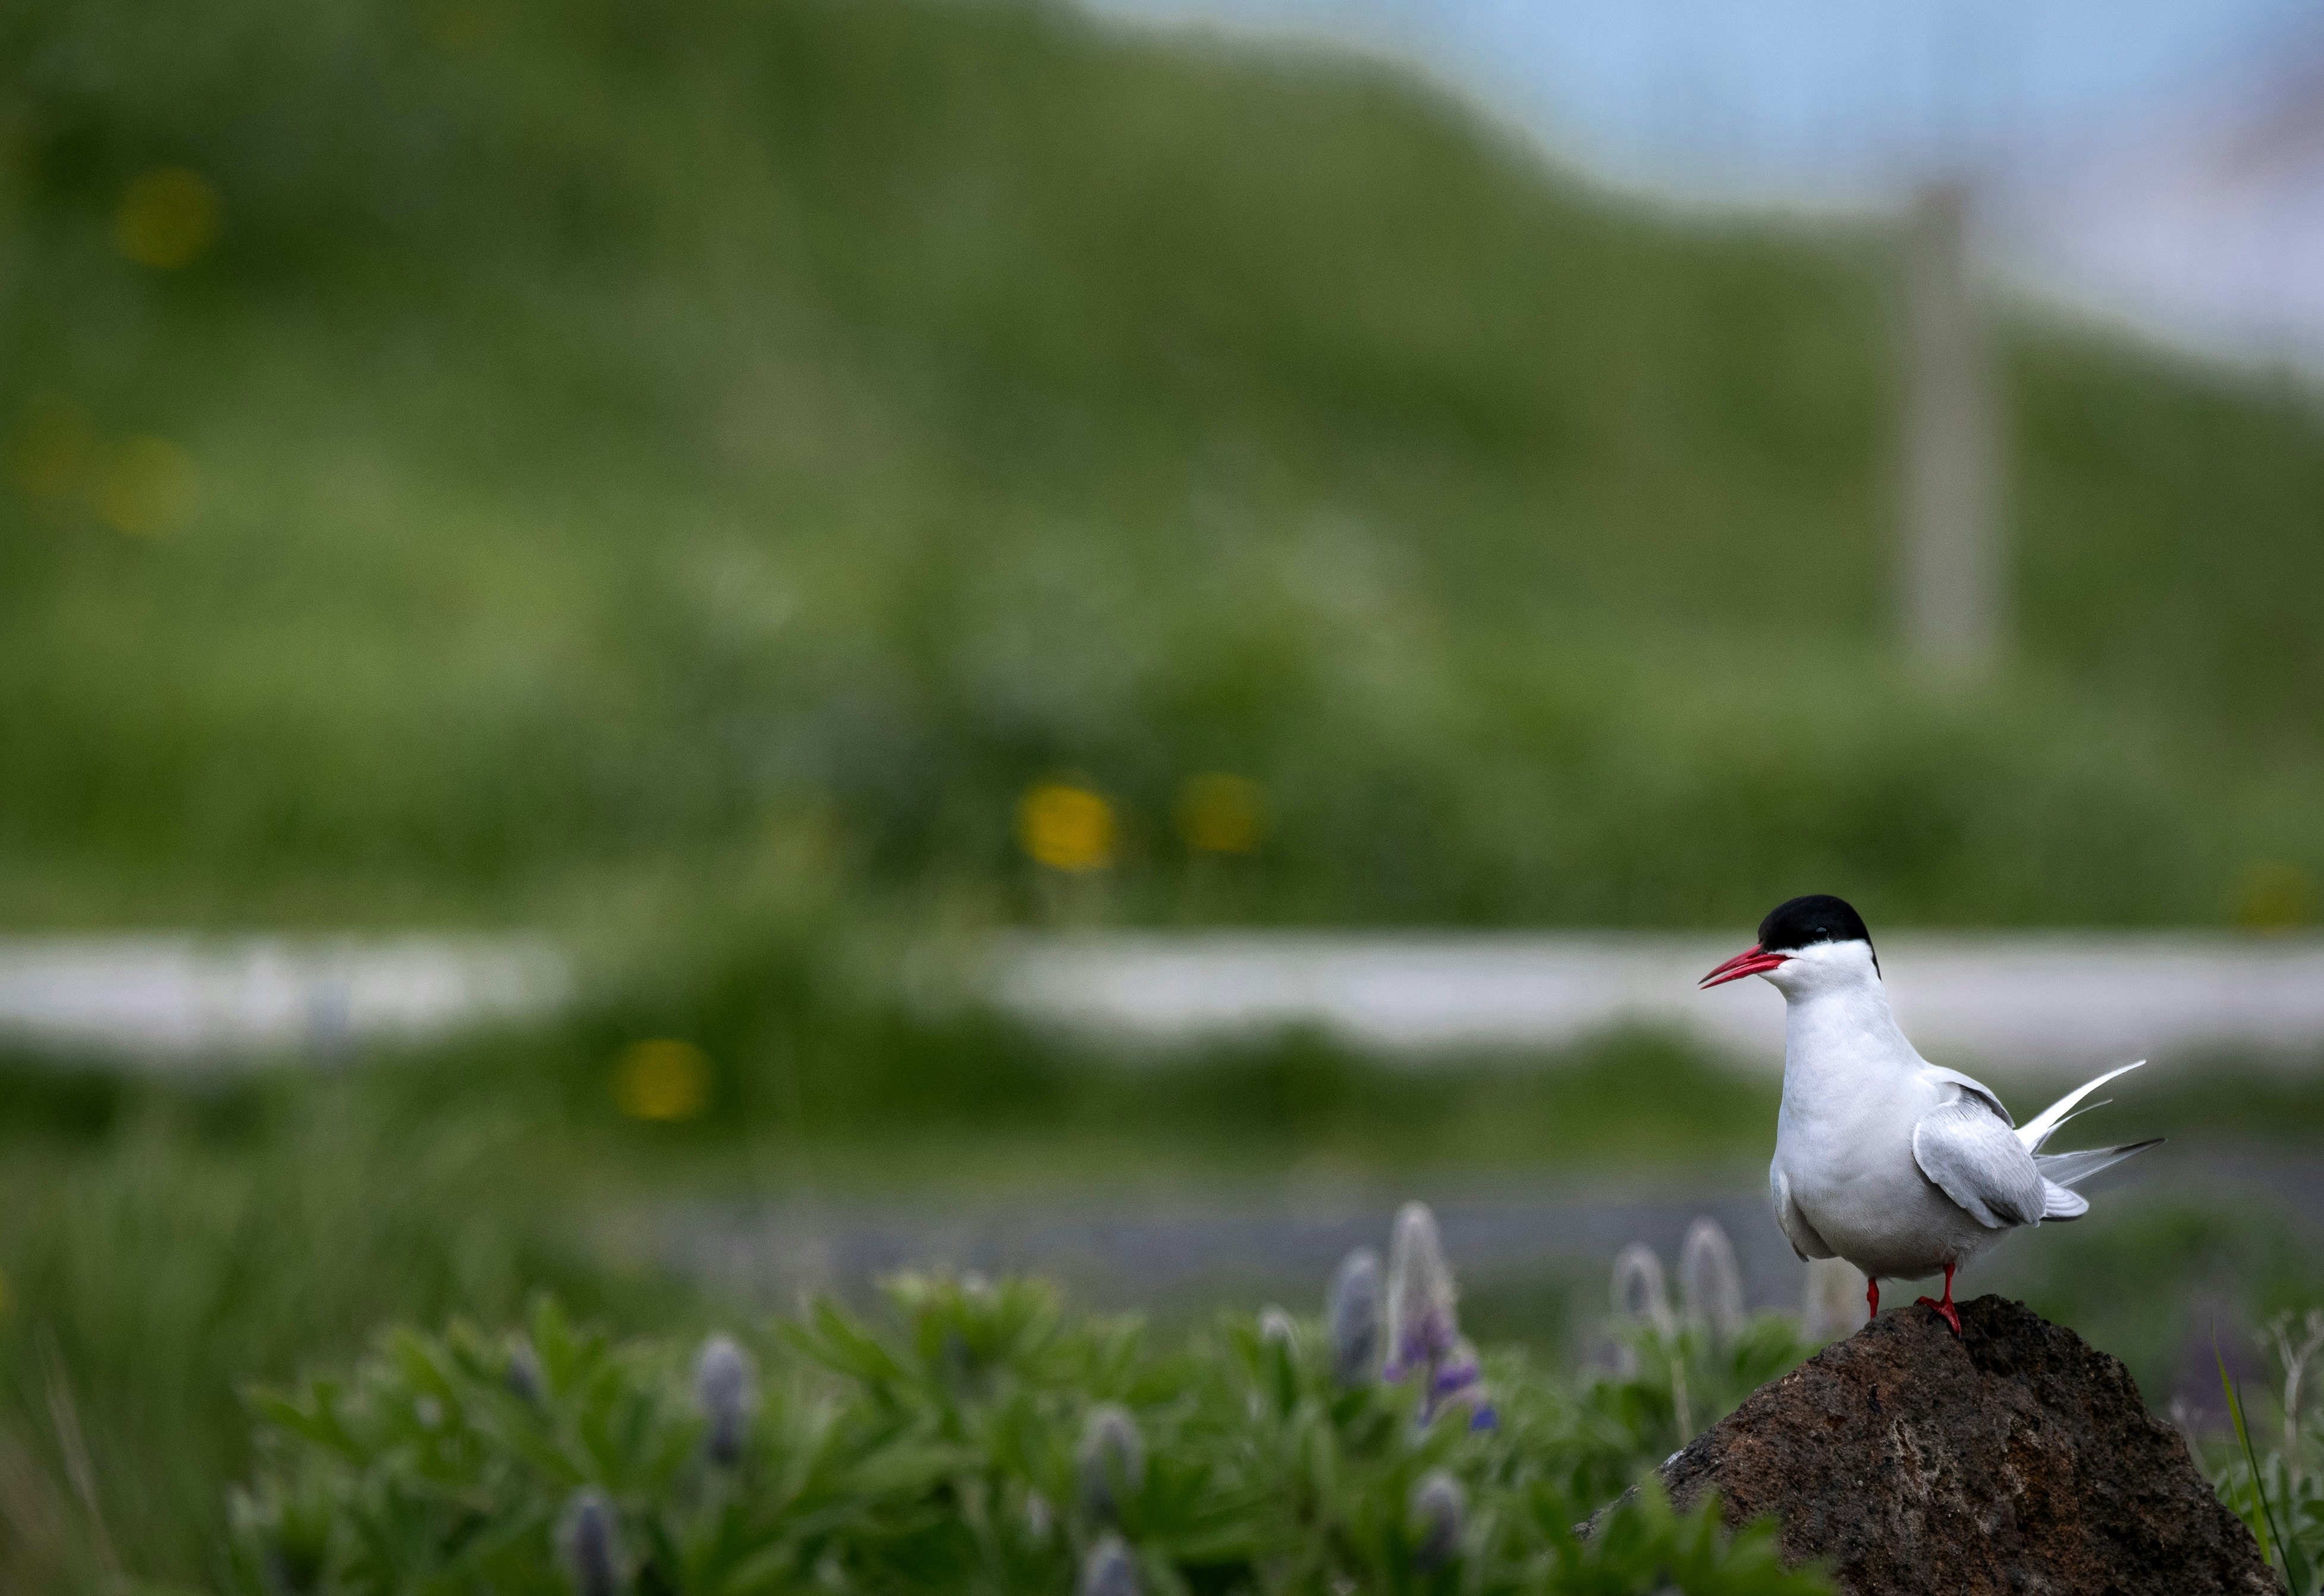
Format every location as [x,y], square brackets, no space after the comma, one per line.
[2269,1540]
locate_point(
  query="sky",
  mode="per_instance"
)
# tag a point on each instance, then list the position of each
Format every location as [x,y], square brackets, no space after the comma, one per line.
[1821,100]
[2157,164]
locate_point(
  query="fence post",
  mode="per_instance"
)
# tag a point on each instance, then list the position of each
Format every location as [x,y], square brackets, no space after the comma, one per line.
[1952,564]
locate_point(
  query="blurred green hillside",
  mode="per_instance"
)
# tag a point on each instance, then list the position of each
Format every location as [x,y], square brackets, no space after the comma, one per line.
[495,460]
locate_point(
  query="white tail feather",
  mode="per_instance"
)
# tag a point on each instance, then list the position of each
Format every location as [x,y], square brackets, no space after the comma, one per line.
[2071,1169]
[2040,1128]
[2058,1203]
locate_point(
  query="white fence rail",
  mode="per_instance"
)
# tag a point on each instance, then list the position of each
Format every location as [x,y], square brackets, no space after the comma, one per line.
[178,999]
[2022,1003]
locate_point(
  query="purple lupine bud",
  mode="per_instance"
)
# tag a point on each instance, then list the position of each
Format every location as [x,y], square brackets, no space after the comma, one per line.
[1457,1372]
[1438,1507]
[1276,1330]
[727,1390]
[1112,1460]
[1709,1285]
[523,1375]
[1109,1570]
[1423,1321]
[1458,1378]
[1352,1314]
[588,1541]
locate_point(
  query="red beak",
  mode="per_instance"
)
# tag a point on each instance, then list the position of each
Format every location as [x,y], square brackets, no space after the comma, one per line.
[1749,962]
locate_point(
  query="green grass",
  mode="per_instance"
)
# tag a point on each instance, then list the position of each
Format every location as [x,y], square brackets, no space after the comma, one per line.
[155,1271]
[644,448]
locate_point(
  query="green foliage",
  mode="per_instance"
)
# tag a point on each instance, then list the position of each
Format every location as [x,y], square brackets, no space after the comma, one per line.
[169,1240]
[944,1450]
[225,1231]
[202,1232]
[643,451]
[2279,1493]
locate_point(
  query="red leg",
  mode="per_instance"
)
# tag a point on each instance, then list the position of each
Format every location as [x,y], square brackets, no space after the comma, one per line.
[1871,1299]
[1945,1309]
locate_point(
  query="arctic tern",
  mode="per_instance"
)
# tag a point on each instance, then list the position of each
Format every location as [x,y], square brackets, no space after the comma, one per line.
[1899,1165]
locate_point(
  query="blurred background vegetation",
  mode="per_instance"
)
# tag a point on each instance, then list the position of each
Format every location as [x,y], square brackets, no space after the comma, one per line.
[495,461]
[730,483]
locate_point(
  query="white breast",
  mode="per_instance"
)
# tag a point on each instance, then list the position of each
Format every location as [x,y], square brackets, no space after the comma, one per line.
[1853,1089]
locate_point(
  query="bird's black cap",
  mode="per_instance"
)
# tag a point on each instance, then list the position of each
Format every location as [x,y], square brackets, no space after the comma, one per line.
[1818,917]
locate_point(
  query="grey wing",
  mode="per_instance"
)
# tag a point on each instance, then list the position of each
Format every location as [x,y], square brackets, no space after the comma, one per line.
[1972,1086]
[1976,1160]
[1796,1229]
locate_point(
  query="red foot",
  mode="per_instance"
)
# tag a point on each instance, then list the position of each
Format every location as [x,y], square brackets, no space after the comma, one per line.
[1871,1300]
[1945,1309]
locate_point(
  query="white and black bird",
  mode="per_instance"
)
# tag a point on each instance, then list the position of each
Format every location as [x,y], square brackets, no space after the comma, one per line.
[1899,1165]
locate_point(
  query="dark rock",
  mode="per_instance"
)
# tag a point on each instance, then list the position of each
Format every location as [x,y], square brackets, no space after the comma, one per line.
[2015,1459]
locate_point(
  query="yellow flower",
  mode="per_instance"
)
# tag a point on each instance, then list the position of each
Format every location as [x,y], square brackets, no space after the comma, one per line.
[1065,826]
[2275,895]
[56,448]
[169,217]
[1222,814]
[663,1079]
[456,27]
[148,488]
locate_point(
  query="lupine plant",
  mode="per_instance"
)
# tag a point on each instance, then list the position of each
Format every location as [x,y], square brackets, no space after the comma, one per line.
[981,1437]
[1679,1368]
[1425,1344]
